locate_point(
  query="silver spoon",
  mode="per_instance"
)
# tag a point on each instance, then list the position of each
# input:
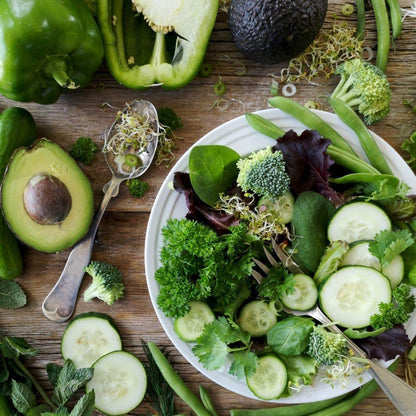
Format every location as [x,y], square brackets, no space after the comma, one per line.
[60,302]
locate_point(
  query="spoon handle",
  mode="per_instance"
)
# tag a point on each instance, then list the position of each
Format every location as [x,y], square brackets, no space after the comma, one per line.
[60,302]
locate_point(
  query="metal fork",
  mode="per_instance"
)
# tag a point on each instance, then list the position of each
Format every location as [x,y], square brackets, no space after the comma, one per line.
[398,391]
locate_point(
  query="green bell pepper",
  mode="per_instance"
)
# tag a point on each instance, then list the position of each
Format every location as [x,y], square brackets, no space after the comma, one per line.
[46,46]
[157,42]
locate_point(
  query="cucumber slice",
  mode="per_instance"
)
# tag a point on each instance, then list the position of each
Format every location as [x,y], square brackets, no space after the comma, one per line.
[351,295]
[280,209]
[257,317]
[304,296]
[270,378]
[89,336]
[190,327]
[119,383]
[357,221]
[359,255]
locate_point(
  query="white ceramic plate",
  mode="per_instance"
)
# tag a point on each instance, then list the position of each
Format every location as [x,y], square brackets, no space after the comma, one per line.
[241,137]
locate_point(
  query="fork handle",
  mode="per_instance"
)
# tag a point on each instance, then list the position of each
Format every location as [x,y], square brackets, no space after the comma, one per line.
[399,392]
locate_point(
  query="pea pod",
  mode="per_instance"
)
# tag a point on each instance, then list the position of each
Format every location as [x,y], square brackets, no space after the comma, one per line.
[177,384]
[395,18]
[383,33]
[340,156]
[369,145]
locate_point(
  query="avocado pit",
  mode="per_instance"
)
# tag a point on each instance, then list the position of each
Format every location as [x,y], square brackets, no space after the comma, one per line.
[46,199]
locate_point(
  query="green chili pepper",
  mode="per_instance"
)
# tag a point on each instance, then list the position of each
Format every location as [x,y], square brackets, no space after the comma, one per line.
[155,43]
[47,46]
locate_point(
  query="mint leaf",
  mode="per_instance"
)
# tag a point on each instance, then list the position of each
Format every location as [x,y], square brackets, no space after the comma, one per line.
[388,244]
[84,405]
[12,295]
[69,381]
[13,347]
[22,397]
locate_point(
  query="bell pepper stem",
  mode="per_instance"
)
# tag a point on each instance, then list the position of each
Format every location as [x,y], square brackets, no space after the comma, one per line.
[56,67]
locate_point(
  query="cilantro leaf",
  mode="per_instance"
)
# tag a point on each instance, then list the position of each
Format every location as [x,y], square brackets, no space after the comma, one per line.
[244,364]
[12,295]
[213,345]
[388,244]
[277,282]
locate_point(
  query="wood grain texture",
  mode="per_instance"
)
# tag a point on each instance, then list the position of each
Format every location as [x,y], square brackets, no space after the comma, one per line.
[121,235]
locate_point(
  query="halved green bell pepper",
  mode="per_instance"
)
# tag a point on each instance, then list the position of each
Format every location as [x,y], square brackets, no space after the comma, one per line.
[155,41]
[45,47]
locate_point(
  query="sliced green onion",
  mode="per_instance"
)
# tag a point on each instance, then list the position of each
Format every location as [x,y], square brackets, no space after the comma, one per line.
[132,160]
[206,69]
[274,88]
[219,87]
[347,9]
[289,90]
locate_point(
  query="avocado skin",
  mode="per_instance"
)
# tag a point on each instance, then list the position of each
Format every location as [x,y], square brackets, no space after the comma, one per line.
[275,31]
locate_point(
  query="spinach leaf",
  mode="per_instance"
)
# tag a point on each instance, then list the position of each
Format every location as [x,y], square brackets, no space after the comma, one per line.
[290,336]
[212,170]
[311,216]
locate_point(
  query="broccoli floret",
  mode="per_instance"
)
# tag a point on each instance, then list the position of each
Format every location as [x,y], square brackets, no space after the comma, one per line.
[83,150]
[137,187]
[365,88]
[107,284]
[263,173]
[325,346]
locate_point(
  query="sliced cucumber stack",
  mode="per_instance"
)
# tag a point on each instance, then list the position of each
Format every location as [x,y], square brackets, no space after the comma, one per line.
[357,221]
[190,327]
[359,255]
[119,383]
[350,296]
[304,294]
[257,317]
[89,336]
[270,378]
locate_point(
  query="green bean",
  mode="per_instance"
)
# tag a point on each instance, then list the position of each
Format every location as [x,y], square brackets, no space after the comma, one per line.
[340,156]
[395,18]
[349,403]
[311,120]
[177,384]
[207,401]
[360,19]
[295,410]
[369,145]
[383,33]
[264,126]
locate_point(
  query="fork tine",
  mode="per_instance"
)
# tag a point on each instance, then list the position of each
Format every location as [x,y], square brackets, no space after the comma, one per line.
[262,266]
[257,276]
[286,260]
[271,259]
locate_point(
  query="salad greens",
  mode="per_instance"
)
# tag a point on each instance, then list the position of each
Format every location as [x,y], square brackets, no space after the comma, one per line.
[215,253]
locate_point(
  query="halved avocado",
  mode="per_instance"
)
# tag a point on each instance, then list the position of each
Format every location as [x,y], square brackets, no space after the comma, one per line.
[46,199]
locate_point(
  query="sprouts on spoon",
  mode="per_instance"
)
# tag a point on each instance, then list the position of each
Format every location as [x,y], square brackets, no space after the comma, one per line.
[128,146]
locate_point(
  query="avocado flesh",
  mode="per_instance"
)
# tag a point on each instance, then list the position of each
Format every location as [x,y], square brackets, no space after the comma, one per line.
[46,157]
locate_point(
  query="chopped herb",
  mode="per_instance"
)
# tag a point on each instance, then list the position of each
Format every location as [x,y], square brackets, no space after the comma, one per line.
[83,150]
[137,187]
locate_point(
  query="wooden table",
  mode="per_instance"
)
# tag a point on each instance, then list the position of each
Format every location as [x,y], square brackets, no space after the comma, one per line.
[121,236]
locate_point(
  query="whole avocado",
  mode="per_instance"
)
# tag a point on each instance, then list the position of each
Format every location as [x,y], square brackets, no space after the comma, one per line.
[274,31]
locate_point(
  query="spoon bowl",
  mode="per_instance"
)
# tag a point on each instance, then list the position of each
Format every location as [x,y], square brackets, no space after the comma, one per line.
[133,136]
